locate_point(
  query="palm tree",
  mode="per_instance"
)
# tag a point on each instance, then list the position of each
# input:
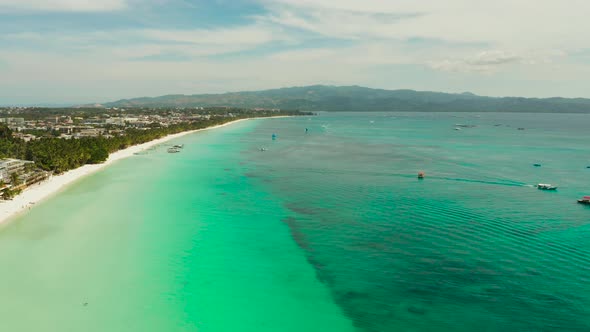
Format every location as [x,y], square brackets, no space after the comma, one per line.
[14,180]
[7,194]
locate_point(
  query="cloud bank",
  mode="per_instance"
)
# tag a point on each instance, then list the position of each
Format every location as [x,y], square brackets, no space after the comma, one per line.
[63,5]
[152,47]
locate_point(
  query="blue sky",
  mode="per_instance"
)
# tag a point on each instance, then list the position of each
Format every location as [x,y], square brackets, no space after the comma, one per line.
[81,51]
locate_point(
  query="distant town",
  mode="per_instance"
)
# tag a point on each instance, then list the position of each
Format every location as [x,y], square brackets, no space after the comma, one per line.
[35,123]
[36,143]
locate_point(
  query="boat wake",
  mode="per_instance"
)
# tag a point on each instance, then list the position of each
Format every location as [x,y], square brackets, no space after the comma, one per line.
[498,183]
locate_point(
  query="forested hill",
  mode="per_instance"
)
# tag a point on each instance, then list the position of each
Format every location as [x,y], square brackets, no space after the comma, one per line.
[355,98]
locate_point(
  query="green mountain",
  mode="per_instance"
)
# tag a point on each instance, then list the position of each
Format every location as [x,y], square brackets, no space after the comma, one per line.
[355,98]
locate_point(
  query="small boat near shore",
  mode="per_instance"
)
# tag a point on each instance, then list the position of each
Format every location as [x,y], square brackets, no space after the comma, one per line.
[546,186]
[178,146]
[173,150]
[584,200]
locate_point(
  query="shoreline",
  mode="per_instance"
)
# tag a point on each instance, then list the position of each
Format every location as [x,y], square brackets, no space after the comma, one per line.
[44,190]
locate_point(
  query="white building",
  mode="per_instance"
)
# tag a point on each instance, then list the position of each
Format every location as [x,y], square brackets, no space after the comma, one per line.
[115,121]
[17,122]
[90,132]
[10,166]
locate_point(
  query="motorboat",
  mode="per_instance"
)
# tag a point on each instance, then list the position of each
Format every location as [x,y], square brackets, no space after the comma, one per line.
[173,150]
[546,186]
[584,200]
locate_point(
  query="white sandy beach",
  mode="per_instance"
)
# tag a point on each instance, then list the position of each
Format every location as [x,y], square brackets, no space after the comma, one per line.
[53,185]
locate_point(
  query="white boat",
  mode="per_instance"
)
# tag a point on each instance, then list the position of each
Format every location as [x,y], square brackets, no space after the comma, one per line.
[546,186]
[178,146]
[173,150]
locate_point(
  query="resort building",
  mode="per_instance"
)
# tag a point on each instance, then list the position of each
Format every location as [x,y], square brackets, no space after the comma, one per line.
[115,121]
[13,121]
[91,132]
[24,137]
[10,166]
[33,177]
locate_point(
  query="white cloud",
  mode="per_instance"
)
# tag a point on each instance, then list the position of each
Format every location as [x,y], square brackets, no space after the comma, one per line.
[507,24]
[492,58]
[362,54]
[379,43]
[137,43]
[63,5]
[316,54]
[483,62]
[491,61]
[461,36]
[244,35]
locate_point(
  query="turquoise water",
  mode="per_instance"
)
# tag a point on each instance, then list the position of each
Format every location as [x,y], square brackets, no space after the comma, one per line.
[324,231]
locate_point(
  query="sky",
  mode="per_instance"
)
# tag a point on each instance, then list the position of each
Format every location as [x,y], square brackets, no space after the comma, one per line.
[86,51]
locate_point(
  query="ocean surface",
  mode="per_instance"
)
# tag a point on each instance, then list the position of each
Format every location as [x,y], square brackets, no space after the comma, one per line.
[328,230]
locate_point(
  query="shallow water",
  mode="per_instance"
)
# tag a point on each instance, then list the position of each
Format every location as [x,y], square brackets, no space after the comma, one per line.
[162,242]
[325,231]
